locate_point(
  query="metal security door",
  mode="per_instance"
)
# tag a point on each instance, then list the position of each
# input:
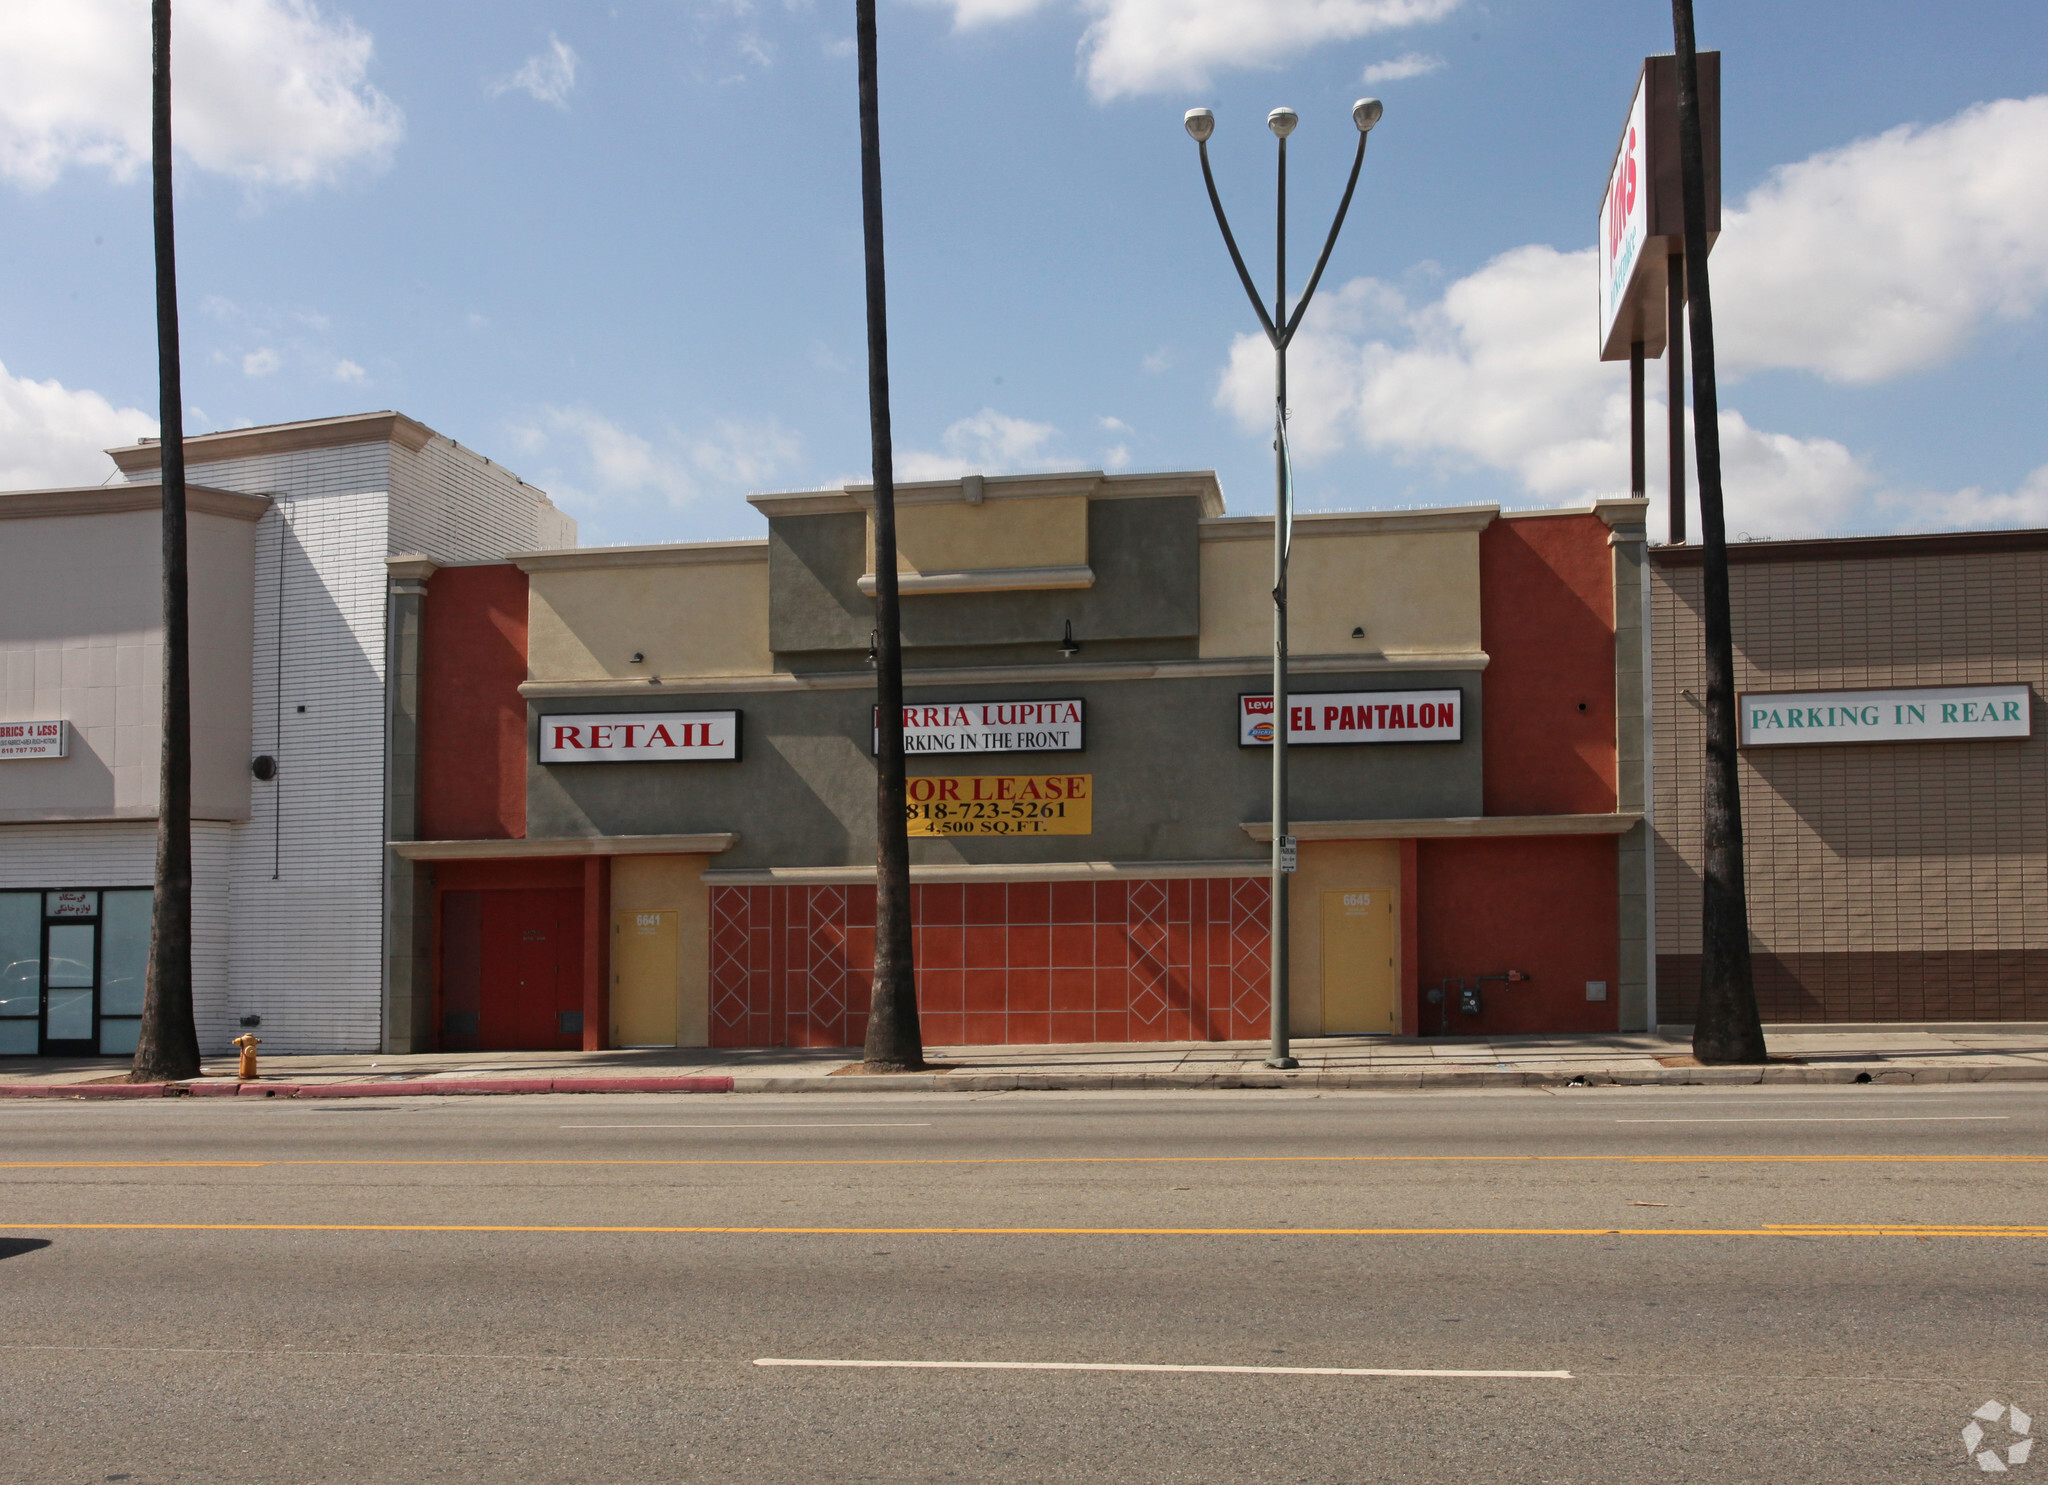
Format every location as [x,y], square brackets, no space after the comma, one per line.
[1359,950]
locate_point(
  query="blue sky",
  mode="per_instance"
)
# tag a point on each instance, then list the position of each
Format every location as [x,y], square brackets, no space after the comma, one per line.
[617,247]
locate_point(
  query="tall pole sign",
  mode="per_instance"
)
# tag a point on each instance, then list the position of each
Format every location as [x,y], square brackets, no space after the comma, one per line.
[1642,251]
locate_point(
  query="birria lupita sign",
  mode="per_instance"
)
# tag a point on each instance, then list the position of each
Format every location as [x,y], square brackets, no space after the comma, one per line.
[1776,719]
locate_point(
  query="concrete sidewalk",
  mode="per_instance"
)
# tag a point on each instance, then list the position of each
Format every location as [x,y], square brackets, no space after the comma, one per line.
[1936,1053]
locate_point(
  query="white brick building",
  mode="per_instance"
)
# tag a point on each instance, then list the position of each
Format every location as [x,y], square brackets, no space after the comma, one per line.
[309,541]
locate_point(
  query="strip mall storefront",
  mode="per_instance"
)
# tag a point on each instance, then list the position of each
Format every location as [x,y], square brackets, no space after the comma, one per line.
[646,779]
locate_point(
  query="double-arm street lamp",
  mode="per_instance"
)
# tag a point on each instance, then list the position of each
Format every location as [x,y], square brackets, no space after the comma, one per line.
[1280,327]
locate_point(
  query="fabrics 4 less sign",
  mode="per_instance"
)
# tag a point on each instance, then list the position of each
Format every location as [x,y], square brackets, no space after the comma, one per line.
[1776,719]
[1002,804]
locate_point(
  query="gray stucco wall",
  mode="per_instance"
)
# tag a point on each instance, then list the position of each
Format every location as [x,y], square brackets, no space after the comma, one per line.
[1170,782]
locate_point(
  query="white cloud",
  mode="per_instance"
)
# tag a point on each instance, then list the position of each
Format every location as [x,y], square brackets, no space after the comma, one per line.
[603,462]
[1401,68]
[1975,508]
[1146,46]
[990,442]
[1116,457]
[547,76]
[1157,361]
[1498,372]
[261,362]
[269,92]
[51,435]
[348,371]
[1881,257]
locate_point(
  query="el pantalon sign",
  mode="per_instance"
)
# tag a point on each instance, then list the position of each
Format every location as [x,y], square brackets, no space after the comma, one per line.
[1354,717]
[1002,804]
[1776,719]
[641,737]
[989,727]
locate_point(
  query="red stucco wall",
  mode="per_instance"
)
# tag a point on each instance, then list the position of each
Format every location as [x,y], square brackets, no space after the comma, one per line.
[1545,905]
[472,782]
[1546,620]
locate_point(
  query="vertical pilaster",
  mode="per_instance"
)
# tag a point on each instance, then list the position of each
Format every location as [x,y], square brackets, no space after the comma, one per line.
[1626,540]
[408,894]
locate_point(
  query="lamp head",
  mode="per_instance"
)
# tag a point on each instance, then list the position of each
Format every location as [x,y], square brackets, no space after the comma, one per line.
[1200,124]
[1282,121]
[1366,112]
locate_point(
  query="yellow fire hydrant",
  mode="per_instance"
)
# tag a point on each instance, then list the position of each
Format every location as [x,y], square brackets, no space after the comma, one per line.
[248,1044]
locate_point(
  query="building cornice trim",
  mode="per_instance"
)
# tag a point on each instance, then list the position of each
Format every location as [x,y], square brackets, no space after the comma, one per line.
[986,580]
[108,500]
[1619,823]
[672,554]
[575,845]
[1312,524]
[1003,871]
[280,438]
[1859,548]
[1017,675]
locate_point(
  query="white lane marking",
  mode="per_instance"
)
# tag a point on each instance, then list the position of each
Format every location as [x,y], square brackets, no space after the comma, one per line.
[1834,1119]
[743,1126]
[1144,1366]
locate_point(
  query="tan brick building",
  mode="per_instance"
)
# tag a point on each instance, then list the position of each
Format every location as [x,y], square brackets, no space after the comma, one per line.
[1889,880]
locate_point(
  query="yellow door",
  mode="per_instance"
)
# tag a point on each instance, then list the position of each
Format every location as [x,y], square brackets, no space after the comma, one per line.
[1359,948]
[644,978]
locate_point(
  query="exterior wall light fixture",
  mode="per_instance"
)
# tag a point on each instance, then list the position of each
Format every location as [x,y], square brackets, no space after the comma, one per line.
[1069,646]
[873,653]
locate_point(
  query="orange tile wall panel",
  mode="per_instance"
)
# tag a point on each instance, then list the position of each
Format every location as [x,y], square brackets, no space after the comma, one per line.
[1546,621]
[472,769]
[998,963]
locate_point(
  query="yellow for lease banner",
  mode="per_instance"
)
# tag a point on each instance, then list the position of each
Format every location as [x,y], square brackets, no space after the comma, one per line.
[1002,804]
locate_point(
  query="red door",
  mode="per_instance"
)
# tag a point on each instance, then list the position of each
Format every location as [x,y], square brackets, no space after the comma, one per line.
[528,977]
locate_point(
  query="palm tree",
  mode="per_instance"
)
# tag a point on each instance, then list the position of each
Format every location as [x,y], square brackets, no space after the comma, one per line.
[1726,1027]
[895,1043]
[169,1045]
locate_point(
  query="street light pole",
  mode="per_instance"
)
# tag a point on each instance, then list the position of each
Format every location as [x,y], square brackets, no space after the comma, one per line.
[1280,327]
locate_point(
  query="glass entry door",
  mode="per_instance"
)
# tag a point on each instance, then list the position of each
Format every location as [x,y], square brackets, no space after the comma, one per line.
[72,965]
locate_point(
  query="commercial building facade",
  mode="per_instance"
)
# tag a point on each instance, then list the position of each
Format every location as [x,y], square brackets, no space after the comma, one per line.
[1893,769]
[646,803]
[304,601]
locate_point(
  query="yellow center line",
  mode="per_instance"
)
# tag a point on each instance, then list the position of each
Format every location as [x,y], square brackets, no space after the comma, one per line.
[2036,1231]
[1063,1160]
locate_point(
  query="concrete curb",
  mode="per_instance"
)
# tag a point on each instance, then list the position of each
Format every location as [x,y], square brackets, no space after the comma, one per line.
[1075,1082]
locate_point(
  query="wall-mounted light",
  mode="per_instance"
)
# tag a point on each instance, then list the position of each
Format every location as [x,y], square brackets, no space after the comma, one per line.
[638,659]
[874,653]
[1358,631]
[1069,646]
[264,767]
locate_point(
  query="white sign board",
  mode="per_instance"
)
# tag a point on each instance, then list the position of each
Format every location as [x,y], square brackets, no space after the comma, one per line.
[34,739]
[1625,213]
[1776,719]
[990,727]
[1354,717]
[640,737]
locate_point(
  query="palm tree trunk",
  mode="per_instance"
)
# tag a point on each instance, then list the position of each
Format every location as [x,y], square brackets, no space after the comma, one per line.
[895,1043]
[1726,1027]
[169,1044]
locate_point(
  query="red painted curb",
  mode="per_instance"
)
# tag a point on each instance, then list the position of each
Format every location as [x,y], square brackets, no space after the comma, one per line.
[266,1090]
[89,1090]
[214,1089]
[643,1085]
[451,1087]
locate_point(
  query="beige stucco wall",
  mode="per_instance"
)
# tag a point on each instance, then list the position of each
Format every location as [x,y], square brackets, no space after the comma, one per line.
[958,537]
[652,884]
[81,638]
[1412,592]
[688,619]
[1329,866]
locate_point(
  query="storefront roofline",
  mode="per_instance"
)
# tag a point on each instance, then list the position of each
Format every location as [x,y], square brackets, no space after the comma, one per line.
[141,456]
[1004,871]
[598,845]
[664,554]
[107,500]
[975,489]
[991,675]
[1354,523]
[1619,823]
[1861,548]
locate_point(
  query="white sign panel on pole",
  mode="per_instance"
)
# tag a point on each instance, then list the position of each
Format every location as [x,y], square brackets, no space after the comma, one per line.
[1777,719]
[35,739]
[1625,213]
[640,737]
[990,727]
[1354,717]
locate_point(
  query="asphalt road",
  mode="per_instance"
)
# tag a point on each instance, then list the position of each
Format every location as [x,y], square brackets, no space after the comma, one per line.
[441,1289]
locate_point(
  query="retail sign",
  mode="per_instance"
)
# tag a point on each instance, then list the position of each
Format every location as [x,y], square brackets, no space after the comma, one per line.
[1776,719]
[1625,216]
[640,737]
[1354,717]
[989,727]
[34,739]
[1002,804]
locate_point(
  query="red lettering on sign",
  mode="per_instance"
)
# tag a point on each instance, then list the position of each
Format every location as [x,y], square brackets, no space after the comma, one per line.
[949,789]
[1428,714]
[567,737]
[660,738]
